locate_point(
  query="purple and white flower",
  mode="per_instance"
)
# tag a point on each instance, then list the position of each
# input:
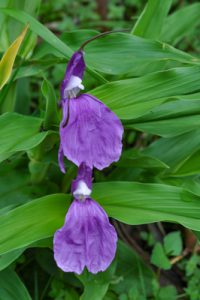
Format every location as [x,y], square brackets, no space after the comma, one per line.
[89,132]
[87,239]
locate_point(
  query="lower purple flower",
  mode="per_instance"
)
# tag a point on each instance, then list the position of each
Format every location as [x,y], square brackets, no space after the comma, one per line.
[89,132]
[87,238]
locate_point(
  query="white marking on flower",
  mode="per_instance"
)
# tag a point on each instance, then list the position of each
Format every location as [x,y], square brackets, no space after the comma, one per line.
[82,191]
[73,87]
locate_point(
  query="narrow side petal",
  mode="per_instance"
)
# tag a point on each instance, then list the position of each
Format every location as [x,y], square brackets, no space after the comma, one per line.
[61,159]
[93,133]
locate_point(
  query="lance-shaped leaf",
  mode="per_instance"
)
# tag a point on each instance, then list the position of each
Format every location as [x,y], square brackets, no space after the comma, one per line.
[8,59]
[19,133]
[151,20]
[47,35]
[11,287]
[129,202]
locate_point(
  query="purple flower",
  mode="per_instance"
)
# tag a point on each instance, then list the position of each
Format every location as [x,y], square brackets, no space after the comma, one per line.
[87,239]
[89,132]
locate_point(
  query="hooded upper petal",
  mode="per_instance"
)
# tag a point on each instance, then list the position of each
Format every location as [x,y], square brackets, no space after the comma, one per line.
[84,175]
[92,134]
[72,82]
[87,239]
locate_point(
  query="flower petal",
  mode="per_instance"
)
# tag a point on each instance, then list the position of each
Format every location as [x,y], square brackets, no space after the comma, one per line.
[93,133]
[86,239]
[101,239]
[73,75]
[69,241]
[60,159]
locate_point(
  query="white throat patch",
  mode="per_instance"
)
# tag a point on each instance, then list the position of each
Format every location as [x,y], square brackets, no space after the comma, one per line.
[82,191]
[73,87]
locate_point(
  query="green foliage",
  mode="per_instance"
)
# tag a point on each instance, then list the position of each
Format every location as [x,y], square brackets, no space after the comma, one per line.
[159,257]
[151,21]
[173,243]
[96,286]
[19,133]
[193,277]
[7,61]
[33,223]
[182,21]
[11,287]
[151,79]
[51,114]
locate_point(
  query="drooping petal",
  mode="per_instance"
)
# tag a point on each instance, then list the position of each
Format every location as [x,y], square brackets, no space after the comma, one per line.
[73,76]
[87,239]
[93,133]
[101,239]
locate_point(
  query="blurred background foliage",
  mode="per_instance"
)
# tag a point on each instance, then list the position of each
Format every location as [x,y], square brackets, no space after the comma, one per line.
[151,79]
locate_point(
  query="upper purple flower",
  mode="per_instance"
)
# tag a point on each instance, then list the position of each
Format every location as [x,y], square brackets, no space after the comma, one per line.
[89,132]
[87,239]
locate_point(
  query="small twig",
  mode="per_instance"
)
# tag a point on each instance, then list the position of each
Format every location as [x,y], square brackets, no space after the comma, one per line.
[125,236]
[99,36]
[176,259]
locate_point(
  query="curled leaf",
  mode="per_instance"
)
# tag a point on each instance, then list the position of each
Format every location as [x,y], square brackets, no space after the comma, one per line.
[7,61]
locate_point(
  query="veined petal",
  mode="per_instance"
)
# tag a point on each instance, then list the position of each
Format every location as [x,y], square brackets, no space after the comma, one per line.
[87,239]
[93,133]
[101,239]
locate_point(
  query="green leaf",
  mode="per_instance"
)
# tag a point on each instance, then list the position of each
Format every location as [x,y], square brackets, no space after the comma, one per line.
[47,35]
[192,264]
[31,70]
[96,286]
[17,191]
[8,59]
[11,287]
[169,127]
[167,292]
[8,98]
[23,97]
[103,54]
[173,243]
[180,23]
[150,22]
[140,203]
[175,151]
[159,258]
[36,220]
[51,113]
[19,133]
[176,116]
[131,272]
[133,98]
[8,258]
[129,202]
[135,159]
[190,165]
[20,190]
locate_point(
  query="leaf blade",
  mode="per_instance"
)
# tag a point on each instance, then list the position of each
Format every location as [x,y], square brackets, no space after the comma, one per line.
[151,20]
[7,61]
